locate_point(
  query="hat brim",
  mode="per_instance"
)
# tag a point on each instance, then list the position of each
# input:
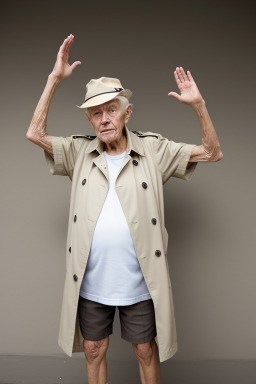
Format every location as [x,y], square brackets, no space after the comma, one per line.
[101,99]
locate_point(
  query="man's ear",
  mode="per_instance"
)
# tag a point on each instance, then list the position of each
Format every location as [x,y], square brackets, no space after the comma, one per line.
[128,113]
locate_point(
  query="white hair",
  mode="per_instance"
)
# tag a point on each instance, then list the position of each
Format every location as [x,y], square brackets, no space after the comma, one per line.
[124,101]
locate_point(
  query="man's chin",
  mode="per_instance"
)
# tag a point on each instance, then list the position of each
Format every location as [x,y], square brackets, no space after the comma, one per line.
[107,137]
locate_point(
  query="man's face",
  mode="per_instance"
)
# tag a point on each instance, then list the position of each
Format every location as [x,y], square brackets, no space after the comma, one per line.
[108,120]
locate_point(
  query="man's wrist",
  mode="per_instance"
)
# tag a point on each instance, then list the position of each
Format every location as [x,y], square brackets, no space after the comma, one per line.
[54,79]
[198,104]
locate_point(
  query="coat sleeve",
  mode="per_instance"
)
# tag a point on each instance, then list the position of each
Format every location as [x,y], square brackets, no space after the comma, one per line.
[65,151]
[172,158]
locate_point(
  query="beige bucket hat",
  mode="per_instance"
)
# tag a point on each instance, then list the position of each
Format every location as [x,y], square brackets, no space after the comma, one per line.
[99,91]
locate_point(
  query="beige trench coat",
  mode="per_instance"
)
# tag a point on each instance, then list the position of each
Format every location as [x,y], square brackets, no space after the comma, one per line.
[139,186]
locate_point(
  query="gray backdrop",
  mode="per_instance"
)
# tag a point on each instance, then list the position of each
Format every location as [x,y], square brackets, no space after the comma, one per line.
[210,219]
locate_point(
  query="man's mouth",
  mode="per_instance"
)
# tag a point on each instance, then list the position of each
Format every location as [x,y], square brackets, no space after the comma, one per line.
[107,130]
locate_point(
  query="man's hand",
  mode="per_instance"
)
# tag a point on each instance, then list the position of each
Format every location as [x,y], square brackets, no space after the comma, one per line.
[189,92]
[62,69]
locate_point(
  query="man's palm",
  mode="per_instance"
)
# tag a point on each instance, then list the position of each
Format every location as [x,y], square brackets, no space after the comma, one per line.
[189,93]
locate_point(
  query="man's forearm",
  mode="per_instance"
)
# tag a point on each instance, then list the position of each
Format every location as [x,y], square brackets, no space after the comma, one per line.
[210,140]
[37,129]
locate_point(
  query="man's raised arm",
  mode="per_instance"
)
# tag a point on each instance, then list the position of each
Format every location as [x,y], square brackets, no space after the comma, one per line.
[37,129]
[209,150]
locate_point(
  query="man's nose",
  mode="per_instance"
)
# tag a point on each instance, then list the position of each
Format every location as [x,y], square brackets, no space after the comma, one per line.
[104,118]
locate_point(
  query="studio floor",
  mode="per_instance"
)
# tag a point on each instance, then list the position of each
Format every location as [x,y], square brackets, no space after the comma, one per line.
[16,369]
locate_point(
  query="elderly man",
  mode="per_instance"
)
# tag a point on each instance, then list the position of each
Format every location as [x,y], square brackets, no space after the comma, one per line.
[116,251]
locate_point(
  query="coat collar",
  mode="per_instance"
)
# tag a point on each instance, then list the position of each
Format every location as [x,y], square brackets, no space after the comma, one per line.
[133,144]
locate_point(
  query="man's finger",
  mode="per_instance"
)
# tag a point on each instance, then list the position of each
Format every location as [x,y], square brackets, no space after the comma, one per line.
[174,94]
[70,44]
[70,40]
[75,64]
[62,47]
[183,73]
[66,42]
[179,74]
[177,78]
[190,77]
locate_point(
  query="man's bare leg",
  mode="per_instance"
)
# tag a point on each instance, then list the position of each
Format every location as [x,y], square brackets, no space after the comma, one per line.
[149,363]
[96,361]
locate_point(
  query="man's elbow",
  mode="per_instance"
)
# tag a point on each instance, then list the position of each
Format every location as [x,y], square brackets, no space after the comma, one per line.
[217,157]
[220,156]
[31,138]
[29,135]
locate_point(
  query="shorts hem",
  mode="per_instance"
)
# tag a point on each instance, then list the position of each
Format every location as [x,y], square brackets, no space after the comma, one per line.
[98,337]
[139,341]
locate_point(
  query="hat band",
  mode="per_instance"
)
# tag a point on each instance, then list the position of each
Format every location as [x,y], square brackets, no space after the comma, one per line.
[102,93]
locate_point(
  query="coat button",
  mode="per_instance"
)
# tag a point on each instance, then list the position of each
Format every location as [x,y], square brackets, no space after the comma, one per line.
[144,185]
[158,253]
[84,181]
[75,217]
[153,221]
[75,277]
[135,162]
[70,249]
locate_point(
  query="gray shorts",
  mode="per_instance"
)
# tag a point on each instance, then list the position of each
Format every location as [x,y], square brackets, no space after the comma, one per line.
[137,320]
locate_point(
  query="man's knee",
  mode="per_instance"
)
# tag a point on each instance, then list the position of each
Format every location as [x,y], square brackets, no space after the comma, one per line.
[95,349]
[144,351]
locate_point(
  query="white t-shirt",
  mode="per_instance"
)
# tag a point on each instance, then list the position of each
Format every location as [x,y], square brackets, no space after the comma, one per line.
[113,275]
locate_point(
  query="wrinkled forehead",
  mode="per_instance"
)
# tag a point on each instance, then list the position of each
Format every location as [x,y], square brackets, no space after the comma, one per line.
[114,101]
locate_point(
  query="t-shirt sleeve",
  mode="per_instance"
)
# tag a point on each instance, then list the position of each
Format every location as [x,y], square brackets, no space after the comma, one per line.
[172,158]
[65,152]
